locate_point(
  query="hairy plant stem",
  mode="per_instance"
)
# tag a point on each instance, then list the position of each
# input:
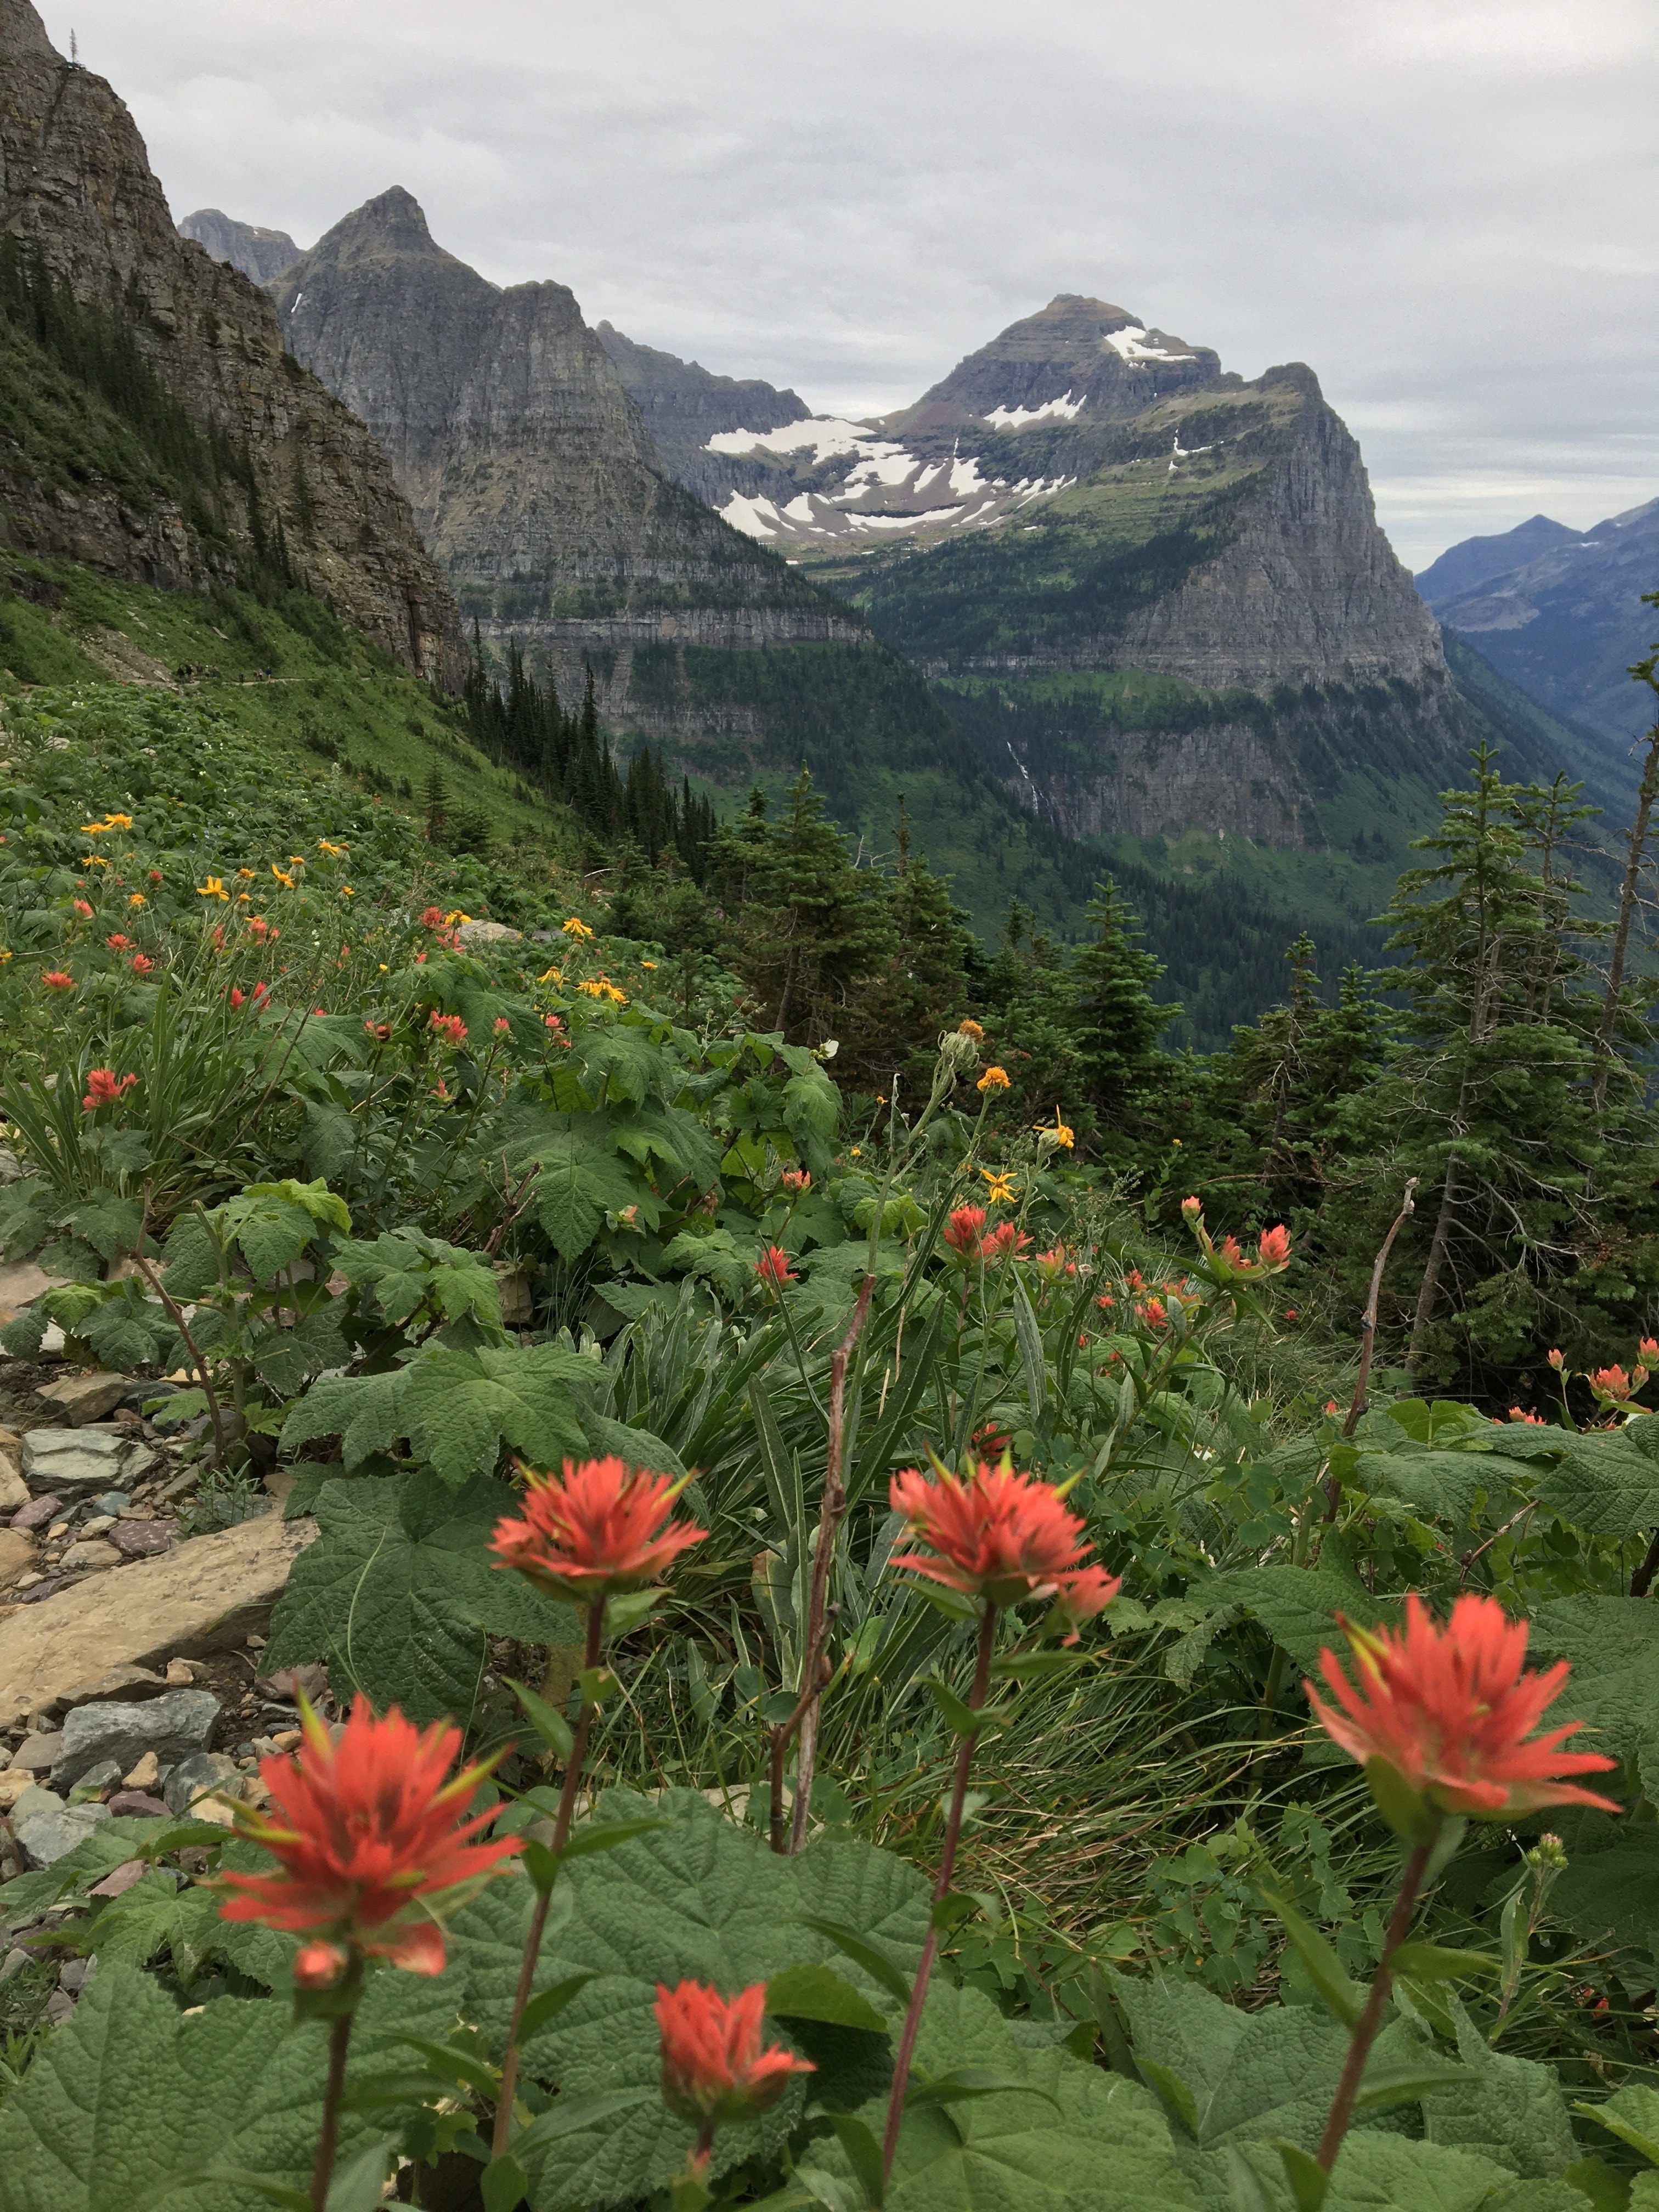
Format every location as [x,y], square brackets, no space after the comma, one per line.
[176,1315]
[988,1636]
[532,1942]
[806,1714]
[1364,2034]
[323,2171]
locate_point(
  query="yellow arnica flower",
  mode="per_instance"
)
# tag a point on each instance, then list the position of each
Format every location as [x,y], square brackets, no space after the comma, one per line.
[212,889]
[648,963]
[242,899]
[346,892]
[994,1078]
[93,860]
[296,859]
[1001,1187]
[552,976]
[970,1029]
[576,927]
[287,881]
[333,851]
[136,899]
[1058,1134]
[453,920]
[245,875]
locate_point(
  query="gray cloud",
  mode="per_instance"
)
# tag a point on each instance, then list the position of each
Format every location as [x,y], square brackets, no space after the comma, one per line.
[1436,203]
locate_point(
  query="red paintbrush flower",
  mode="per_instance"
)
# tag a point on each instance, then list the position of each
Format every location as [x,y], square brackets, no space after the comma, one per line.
[716,2072]
[104,1089]
[1450,1710]
[600,1527]
[1275,1247]
[1002,1536]
[1003,1239]
[773,1267]
[962,1229]
[56,979]
[363,1828]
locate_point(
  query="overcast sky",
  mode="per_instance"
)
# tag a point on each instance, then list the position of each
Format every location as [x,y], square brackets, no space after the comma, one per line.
[1445,206]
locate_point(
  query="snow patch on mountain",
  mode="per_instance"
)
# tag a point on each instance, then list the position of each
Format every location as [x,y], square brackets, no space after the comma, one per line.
[1064,409]
[1127,345]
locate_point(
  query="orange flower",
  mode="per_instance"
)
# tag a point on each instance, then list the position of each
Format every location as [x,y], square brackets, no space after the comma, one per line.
[1555,1360]
[773,1267]
[83,909]
[716,2071]
[962,1230]
[363,1828]
[1649,1348]
[1192,1207]
[450,1027]
[1003,1239]
[601,1527]
[55,980]
[1450,1710]
[994,1078]
[118,942]
[140,964]
[1002,1536]
[1154,1314]
[798,1182]
[104,1090]
[1517,1414]
[1274,1246]
[501,1025]
[1612,1383]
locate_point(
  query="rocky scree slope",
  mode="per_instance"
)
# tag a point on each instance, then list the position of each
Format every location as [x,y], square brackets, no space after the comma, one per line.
[1562,615]
[535,481]
[277,460]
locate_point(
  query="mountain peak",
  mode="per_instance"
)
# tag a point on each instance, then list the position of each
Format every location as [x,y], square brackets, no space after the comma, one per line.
[257,253]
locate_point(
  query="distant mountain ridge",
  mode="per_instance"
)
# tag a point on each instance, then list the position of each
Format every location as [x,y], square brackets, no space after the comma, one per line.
[258,253]
[1562,617]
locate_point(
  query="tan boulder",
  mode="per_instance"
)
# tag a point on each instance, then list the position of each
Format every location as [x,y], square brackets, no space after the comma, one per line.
[16,1556]
[207,1595]
[14,1491]
[87,1397]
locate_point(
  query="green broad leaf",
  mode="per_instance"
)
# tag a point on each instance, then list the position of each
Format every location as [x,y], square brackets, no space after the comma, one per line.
[359,2180]
[1172,2092]
[1297,1606]
[548,2004]
[274,1223]
[579,1182]
[1307,2178]
[1632,2114]
[550,1725]
[880,1968]
[1612,1893]
[1037,1666]
[1325,1970]
[573,2117]
[409,1272]
[1030,1350]
[624,1612]
[398,1590]
[1506,2109]
[132,2103]
[1405,2082]
[1377,2171]
[819,1993]
[965,2081]
[863,2154]
[1608,2189]
[502,2183]
[404,2087]
[1444,1486]
[1613,1643]
[1607,1481]
[605,1835]
[540,1865]
[110,1225]
[454,2064]
[955,1605]
[293,2199]
[1433,1962]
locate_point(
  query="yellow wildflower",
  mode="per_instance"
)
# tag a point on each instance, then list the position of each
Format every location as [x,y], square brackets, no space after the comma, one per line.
[648,963]
[575,927]
[212,889]
[452,921]
[333,851]
[245,875]
[117,822]
[384,970]
[94,828]
[346,892]
[296,859]
[136,899]
[994,1078]
[970,1029]
[286,881]
[1058,1134]
[242,899]
[1002,1190]
[552,976]
[92,860]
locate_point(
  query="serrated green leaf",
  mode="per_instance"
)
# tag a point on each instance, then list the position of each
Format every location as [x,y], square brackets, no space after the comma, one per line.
[819,1993]
[1325,1970]
[1632,2114]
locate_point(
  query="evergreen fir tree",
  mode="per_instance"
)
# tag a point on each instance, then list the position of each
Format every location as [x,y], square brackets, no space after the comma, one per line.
[1117,1024]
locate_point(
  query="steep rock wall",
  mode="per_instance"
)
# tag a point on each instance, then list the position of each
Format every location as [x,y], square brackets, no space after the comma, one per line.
[76,189]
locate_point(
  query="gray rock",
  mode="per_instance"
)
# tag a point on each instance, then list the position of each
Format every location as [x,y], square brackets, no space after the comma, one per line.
[111,1501]
[91,1556]
[72,1460]
[203,1771]
[173,1727]
[39,1752]
[86,1398]
[487,932]
[50,1833]
[15,1961]
[95,1780]
[136,1805]
[60,2008]
[75,1973]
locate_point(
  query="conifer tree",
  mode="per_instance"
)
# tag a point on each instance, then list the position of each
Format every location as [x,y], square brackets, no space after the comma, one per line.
[1117,1024]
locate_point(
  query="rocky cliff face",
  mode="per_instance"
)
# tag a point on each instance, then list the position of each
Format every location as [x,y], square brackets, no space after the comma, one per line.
[533,476]
[684,405]
[258,253]
[77,193]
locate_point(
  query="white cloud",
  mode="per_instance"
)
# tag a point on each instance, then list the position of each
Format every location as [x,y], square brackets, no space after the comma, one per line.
[1438,204]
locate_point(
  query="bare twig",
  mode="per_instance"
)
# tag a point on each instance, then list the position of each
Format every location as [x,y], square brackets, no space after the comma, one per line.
[175,1314]
[1367,1334]
[1525,1514]
[804,1717]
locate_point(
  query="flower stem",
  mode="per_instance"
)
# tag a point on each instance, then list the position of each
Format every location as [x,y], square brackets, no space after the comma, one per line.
[987,1631]
[532,1942]
[322,2172]
[1371,2020]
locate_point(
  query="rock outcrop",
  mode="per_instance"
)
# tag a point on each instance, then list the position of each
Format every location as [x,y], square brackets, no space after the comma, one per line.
[535,482]
[257,253]
[279,460]
[685,404]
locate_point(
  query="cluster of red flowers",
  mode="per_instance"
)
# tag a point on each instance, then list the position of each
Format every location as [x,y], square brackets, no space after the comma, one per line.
[141,964]
[260,992]
[1449,1710]
[1000,1536]
[716,2072]
[796,1181]
[56,979]
[363,1828]
[773,1267]
[380,1031]
[118,944]
[83,909]
[600,1527]
[450,1027]
[103,1087]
